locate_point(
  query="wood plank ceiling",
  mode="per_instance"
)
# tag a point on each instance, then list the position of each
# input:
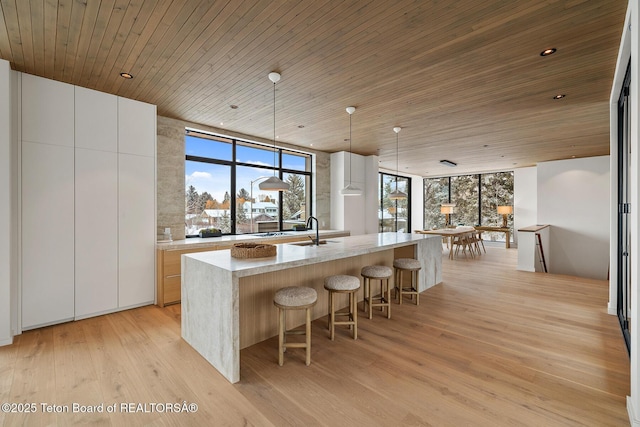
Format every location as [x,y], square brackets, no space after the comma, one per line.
[464,79]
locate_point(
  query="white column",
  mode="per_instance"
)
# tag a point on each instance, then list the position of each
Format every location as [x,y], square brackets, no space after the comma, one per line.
[7,182]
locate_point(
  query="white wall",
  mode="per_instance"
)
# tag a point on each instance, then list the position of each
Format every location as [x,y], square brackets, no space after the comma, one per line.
[7,192]
[525,198]
[356,214]
[573,197]
[417,203]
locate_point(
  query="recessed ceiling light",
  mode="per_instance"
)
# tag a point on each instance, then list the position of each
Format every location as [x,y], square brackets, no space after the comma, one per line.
[233,107]
[559,96]
[126,76]
[548,52]
[221,124]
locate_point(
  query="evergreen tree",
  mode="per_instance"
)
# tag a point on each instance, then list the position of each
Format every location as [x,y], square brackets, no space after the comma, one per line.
[202,201]
[191,200]
[242,197]
[295,197]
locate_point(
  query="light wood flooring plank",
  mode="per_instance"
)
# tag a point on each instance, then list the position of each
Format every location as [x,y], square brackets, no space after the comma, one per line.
[489,346]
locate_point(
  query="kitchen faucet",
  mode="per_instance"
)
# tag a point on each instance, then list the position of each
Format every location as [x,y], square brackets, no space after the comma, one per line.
[317,241]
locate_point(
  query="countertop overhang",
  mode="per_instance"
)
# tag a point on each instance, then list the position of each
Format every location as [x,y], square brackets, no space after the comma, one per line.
[291,255]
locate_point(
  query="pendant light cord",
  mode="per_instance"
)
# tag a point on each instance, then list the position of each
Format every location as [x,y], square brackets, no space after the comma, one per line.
[350,152]
[397,148]
[274,128]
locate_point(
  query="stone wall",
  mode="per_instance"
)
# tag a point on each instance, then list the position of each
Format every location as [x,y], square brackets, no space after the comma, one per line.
[171,175]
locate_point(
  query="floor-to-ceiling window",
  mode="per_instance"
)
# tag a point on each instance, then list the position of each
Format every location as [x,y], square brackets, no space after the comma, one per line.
[624,199]
[465,195]
[436,193]
[476,198]
[394,215]
[223,176]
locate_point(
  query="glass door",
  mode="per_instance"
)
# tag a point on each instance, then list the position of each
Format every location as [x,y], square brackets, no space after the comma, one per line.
[624,223]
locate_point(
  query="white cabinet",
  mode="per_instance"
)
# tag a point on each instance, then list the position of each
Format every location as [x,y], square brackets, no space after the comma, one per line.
[96,202]
[96,232]
[96,120]
[88,202]
[137,231]
[47,199]
[136,128]
[47,234]
[47,111]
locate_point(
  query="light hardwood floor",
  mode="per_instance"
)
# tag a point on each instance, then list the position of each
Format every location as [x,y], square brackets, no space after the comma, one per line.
[490,346]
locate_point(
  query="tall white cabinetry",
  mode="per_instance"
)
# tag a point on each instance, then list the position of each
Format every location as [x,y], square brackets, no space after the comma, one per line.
[96,202]
[88,202]
[136,210]
[47,202]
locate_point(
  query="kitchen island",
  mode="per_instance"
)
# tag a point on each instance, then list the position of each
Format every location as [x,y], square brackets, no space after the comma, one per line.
[227,303]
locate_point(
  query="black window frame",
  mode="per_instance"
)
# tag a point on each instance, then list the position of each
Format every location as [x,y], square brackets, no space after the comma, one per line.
[381,201]
[233,164]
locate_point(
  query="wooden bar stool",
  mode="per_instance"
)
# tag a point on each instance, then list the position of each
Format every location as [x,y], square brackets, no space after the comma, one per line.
[413,266]
[382,273]
[294,298]
[343,284]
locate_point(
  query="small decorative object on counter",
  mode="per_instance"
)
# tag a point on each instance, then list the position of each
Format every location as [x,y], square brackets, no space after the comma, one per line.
[210,232]
[299,227]
[167,234]
[253,250]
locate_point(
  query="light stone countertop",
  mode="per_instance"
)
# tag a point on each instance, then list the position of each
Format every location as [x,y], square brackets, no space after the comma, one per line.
[289,255]
[198,242]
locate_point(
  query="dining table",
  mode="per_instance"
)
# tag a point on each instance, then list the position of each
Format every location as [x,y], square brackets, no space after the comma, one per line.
[450,233]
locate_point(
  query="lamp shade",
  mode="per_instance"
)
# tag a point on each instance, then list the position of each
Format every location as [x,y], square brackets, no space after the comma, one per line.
[447,208]
[397,195]
[351,190]
[273,183]
[505,210]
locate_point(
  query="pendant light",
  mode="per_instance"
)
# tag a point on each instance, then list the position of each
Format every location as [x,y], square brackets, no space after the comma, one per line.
[397,195]
[274,183]
[350,190]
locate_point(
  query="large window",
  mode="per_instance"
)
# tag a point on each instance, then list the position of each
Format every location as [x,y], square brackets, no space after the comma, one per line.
[476,198]
[223,175]
[464,193]
[436,192]
[394,215]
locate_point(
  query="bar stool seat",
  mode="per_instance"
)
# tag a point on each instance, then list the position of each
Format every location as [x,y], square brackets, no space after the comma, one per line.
[413,266]
[294,298]
[343,284]
[383,274]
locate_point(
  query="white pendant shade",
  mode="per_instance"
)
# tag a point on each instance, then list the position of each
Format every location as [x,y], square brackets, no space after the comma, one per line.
[351,190]
[397,194]
[273,183]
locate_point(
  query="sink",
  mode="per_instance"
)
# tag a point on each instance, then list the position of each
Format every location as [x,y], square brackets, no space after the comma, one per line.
[310,243]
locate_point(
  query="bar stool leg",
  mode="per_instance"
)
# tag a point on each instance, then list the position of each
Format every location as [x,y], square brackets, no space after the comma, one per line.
[369,287]
[308,336]
[399,285]
[280,336]
[332,317]
[354,311]
[388,298]
[366,294]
